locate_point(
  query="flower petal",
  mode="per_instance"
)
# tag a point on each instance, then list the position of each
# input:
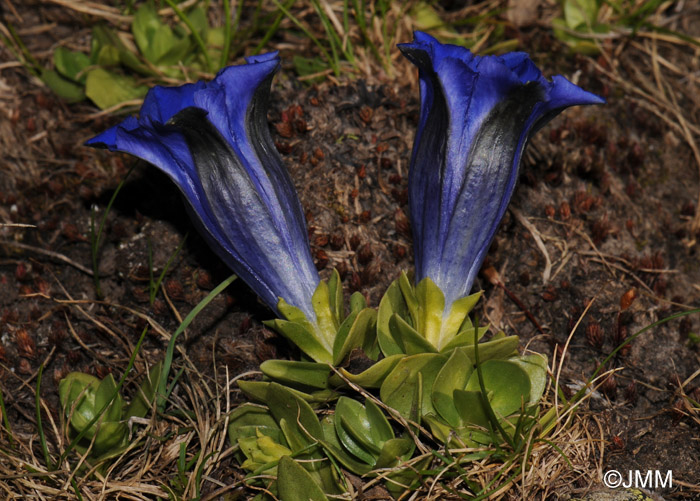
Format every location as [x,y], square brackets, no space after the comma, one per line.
[241,222]
[477,114]
[213,141]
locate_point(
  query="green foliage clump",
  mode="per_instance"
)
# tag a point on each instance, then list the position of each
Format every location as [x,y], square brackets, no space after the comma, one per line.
[116,70]
[97,414]
[427,367]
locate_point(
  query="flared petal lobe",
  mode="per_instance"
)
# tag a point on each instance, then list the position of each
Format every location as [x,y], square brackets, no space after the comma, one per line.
[477,114]
[213,141]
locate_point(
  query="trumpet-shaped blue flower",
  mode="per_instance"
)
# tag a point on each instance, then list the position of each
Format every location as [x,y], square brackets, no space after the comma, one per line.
[212,139]
[477,114]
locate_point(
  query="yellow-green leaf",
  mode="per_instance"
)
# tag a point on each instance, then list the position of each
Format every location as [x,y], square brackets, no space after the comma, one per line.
[107,89]
[295,483]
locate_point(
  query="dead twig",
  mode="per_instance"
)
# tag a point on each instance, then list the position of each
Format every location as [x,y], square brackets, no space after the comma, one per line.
[538,240]
[49,253]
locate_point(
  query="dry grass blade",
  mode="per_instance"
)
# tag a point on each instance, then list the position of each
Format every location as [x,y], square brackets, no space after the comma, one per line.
[538,240]
[46,252]
[94,9]
[111,14]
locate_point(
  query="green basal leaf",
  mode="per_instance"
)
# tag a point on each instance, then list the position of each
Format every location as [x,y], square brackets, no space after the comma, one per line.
[353,442]
[247,419]
[272,430]
[298,375]
[364,434]
[105,41]
[413,320]
[392,303]
[454,375]
[259,392]
[82,396]
[371,378]
[548,421]
[412,377]
[293,314]
[103,397]
[432,306]
[502,347]
[352,417]
[336,451]
[576,44]
[535,366]
[253,458]
[470,408]
[261,450]
[107,89]
[325,321]
[380,429]
[80,419]
[409,297]
[362,327]
[369,341]
[507,384]
[255,390]
[110,435]
[332,446]
[143,400]
[370,346]
[295,483]
[438,427]
[62,87]
[71,64]
[357,302]
[341,336]
[328,426]
[101,37]
[335,290]
[331,338]
[144,27]
[293,435]
[169,49]
[393,451]
[317,465]
[215,38]
[115,452]
[77,396]
[131,61]
[177,46]
[302,421]
[407,479]
[458,320]
[300,335]
[271,448]
[580,14]
[407,338]
[426,17]
[108,56]
[198,19]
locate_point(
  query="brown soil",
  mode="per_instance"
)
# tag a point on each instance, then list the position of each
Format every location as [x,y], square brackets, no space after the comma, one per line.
[610,192]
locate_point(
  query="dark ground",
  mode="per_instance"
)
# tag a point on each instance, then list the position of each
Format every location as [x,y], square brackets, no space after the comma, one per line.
[610,191]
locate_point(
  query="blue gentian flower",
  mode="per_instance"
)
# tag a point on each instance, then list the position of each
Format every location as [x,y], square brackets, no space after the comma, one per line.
[212,139]
[477,114]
